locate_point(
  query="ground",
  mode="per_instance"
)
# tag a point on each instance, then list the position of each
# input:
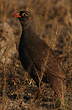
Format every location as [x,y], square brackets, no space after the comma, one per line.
[53,23]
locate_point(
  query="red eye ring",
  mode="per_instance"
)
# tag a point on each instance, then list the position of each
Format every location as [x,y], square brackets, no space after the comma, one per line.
[16,15]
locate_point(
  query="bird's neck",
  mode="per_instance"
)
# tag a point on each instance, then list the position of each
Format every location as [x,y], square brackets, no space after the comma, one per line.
[25,31]
[25,25]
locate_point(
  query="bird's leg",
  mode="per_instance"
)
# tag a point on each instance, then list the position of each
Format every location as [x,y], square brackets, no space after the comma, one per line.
[39,86]
[37,94]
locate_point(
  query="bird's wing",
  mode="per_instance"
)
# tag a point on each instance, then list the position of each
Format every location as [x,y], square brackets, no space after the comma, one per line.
[53,67]
[38,50]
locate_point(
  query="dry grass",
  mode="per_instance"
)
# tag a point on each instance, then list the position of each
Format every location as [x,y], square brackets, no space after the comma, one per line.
[52,20]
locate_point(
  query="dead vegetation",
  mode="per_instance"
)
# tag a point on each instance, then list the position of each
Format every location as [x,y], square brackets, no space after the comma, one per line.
[53,22]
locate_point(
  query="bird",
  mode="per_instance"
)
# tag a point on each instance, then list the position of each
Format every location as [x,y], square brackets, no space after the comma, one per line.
[37,57]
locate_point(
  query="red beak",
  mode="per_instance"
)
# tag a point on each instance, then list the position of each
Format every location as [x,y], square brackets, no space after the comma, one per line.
[16,15]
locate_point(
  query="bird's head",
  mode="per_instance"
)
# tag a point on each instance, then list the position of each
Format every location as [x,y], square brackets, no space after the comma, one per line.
[23,15]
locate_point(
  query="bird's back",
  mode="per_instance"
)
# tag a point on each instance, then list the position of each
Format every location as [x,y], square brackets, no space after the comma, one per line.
[36,51]
[33,46]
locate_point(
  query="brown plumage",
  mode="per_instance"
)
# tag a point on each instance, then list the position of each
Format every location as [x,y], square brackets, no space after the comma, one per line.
[37,57]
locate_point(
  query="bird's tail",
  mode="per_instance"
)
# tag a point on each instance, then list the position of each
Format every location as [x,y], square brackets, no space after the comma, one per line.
[58,86]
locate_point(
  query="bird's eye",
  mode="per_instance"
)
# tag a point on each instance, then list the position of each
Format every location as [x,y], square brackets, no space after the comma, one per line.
[23,14]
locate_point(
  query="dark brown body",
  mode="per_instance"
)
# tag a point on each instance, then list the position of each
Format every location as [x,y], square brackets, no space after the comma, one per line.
[38,59]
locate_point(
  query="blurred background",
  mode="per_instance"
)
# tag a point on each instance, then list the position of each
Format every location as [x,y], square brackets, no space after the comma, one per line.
[53,23]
